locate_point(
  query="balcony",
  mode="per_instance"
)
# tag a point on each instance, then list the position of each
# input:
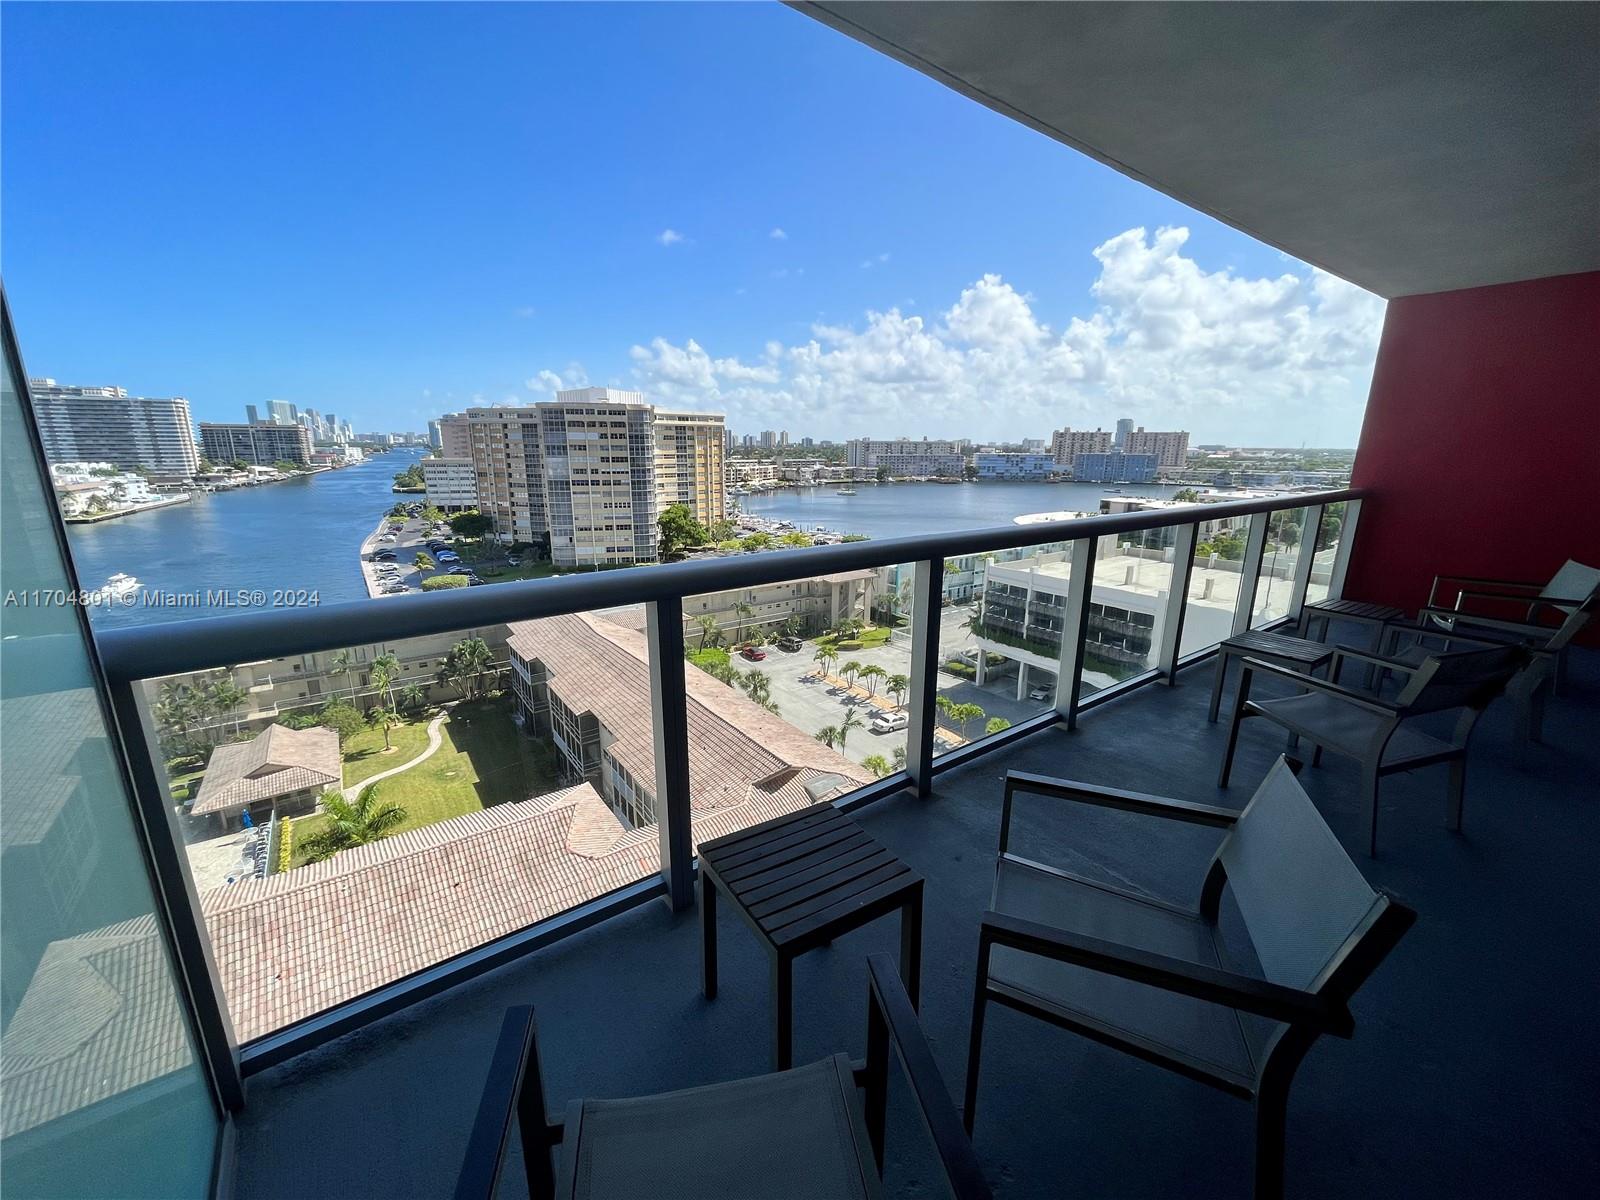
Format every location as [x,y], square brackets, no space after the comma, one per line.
[1469,1012]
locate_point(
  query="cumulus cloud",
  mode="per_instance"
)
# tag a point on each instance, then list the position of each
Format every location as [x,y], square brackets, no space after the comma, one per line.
[547,383]
[1231,358]
[778,235]
[669,237]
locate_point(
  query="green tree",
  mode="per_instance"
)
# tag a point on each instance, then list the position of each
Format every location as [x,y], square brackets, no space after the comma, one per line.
[744,612]
[352,823]
[385,719]
[239,464]
[944,707]
[825,658]
[898,686]
[996,724]
[877,764]
[720,531]
[424,561]
[470,667]
[852,720]
[343,718]
[871,673]
[850,670]
[343,663]
[969,471]
[223,697]
[828,735]
[796,538]
[1186,496]
[710,634]
[679,530]
[413,698]
[757,685]
[432,514]
[757,541]
[900,758]
[883,474]
[385,670]
[471,523]
[964,714]
[853,537]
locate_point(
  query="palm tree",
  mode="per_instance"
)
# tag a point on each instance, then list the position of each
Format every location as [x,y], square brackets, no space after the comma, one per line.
[965,714]
[826,658]
[877,764]
[850,670]
[872,672]
[757,685]
[828,735]
[899,758]
[744,612]
[224,696]
[385,719]
[468,662]
[852,720]
[946,706]
[898,686]
[385,670]
[710,635]
[413,698]
[352,823]
[343,663]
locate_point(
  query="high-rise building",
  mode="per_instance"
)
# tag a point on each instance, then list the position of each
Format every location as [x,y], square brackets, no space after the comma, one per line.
[1066,444]
[1170,448]
[1124,428]
[281,412]
[435,438]
[252,415]
[451,482]
[1115,467]
[105,424]
[769,439]
[592,470]
[903,456]
[455,436]
[258,445]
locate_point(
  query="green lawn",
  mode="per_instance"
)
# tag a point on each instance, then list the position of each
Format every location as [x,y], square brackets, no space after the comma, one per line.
[364,756]
[526,570]
[484,760]
[869,639]
[184,775]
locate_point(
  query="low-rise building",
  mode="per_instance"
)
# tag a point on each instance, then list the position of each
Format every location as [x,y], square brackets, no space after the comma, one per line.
[279,772]
[1114,467]
[451,482]
[1009,465]
[98,487]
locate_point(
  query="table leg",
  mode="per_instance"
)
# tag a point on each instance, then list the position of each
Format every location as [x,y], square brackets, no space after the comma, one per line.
[708,936]
[1216,686]
[782,1011]
[911,946]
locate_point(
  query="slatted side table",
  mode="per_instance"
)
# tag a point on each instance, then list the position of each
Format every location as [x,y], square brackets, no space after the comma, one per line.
[1298,654]
[1358,611]
[800,881]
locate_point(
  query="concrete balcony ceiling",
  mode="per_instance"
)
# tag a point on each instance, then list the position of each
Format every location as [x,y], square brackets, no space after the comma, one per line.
[1408,148]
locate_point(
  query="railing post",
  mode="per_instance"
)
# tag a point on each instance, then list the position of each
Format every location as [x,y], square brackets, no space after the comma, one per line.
[175,891]
[1074,627]
[1177,602]
[1341,556]
[1250,571]
[669,701]
[927,593]
[1308,557]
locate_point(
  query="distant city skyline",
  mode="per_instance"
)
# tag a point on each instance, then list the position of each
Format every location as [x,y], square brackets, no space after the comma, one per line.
[894,260]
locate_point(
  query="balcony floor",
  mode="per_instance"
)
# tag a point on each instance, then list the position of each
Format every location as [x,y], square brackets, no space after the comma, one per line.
[1473,1069]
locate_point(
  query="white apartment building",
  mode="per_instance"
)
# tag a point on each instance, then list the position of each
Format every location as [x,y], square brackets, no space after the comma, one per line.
[105,424]
[592,470]
[83,487]
[452,483]
[258,445]
[906,456]
[1170,448]
[1065,443]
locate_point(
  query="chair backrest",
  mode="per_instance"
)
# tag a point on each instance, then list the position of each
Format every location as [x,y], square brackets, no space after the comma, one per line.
[1461,679]
[1303,902]
[1574,581]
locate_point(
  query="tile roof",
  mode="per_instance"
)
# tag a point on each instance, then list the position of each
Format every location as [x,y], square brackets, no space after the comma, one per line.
[276,762]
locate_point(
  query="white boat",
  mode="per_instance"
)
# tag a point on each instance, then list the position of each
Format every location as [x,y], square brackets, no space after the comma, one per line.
[845,491]
[118,586]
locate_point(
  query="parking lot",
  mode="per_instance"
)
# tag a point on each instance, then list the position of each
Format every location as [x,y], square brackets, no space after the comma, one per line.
[410,539]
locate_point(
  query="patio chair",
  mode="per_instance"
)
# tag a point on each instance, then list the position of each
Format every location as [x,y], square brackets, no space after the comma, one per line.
[1381,734]
[1158,980]
[810,1132]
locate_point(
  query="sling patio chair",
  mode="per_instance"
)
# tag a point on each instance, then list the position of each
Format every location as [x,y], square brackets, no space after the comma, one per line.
[1158,981]
[814,1131]
[1381,734]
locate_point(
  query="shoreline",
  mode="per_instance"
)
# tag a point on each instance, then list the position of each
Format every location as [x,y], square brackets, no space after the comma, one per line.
[96,518]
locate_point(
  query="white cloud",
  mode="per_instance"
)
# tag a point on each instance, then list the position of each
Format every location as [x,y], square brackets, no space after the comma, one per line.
[1229,357]
[868,263]
[778,235]
[524,312]
[547,383]
[669,237]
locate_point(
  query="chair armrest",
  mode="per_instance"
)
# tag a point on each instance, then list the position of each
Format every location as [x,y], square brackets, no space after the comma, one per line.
[1108,797]
[1214,984]
[1522,584]
[892,1021]
[1457,617]
[1359,699]
[1424,630]
[514,1090]
[1377,660]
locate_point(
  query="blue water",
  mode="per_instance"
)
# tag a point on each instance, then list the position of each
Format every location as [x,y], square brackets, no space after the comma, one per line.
[302,533]
[897,509]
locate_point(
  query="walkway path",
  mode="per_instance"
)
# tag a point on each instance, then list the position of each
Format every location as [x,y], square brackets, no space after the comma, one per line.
[435,740]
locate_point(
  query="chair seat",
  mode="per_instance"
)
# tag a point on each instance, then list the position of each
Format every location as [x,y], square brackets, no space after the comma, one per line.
[1202,1037]
[1336,725]
[793,1135]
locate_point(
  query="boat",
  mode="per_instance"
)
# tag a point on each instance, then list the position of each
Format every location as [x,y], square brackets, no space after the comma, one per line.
[845,491]
[118,586]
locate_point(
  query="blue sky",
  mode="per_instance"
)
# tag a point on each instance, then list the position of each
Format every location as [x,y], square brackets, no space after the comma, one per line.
[394,211]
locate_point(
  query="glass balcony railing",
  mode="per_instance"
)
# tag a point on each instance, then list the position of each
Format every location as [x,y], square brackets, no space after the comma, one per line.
[387,798]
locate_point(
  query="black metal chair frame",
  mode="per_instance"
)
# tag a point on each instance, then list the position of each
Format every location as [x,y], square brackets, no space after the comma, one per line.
[1304,1014]
[514,1098]
[1394,714]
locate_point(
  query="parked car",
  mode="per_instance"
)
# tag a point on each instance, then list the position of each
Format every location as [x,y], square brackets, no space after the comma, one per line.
[512,561]
[754,653]
[791,644]
[1041,693]
[890,722]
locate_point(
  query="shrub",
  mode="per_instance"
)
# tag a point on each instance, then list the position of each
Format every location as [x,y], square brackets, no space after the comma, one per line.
[285,844]
[851,644]
[342,717]
[441,582]
[966,670]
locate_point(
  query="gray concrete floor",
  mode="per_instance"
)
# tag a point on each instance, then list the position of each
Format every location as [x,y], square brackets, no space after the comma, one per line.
[1472,1073]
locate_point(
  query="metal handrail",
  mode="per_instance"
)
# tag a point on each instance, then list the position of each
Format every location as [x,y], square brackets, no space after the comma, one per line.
[171,648]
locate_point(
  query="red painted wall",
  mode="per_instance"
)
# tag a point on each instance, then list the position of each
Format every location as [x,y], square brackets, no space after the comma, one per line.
[1481,441]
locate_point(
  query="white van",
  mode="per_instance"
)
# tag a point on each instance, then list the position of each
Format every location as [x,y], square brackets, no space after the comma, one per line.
[890,722]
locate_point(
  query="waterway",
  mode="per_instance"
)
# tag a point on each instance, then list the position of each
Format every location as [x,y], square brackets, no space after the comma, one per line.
[898,509]
[305,534]
[301,534]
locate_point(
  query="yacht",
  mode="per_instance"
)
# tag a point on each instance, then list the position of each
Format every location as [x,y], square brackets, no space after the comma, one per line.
[118,586]
[847,490]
